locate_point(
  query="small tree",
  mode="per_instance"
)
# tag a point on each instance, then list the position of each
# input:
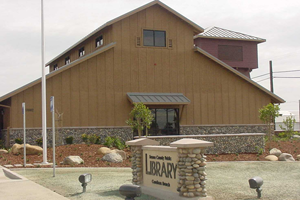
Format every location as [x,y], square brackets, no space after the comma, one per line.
[268,114]
[140,118]
[289,123]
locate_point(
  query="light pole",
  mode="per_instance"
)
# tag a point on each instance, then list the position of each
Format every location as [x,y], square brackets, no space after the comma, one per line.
[44,116]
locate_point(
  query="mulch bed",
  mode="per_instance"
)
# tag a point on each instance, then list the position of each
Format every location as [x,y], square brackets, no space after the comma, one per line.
[91,159]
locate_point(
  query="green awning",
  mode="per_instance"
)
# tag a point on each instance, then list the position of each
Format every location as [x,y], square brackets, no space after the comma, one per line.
[158,98]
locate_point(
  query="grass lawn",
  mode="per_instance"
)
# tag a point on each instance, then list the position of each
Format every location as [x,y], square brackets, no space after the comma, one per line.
[226,181]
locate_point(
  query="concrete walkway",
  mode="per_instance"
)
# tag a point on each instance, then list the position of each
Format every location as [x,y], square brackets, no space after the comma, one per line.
[16,187]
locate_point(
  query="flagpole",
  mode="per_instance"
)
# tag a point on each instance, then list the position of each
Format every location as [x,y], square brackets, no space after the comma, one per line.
[44,119]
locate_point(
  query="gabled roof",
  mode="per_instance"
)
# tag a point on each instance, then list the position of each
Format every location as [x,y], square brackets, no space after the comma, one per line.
[221,33]
[197,28]
[60,70]
[275,98]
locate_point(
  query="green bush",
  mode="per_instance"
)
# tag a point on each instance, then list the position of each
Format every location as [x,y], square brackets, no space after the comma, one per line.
[109,141]
[84,137]
[69,140]
[114,142]
[19,140]
[39,141]
[92,138]
[119,144]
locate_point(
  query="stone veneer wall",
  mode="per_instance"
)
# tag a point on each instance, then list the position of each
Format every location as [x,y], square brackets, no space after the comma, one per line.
[124,133]
[223,129]
[223,143]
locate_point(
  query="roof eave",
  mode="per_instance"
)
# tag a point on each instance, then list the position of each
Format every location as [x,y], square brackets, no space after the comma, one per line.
[228,38]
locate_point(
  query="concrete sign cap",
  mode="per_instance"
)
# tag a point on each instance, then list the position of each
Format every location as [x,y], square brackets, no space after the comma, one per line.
[142,142]
[191,143]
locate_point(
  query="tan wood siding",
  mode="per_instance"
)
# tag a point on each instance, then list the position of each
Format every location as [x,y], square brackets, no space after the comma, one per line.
[93,93]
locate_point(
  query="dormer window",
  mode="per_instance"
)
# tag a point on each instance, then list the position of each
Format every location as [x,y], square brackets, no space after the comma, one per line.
[81,51]
[55,67]
[99,41]
[154,38]
[67,60]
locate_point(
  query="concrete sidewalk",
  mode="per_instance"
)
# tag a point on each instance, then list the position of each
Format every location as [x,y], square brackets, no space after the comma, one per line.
[15,187]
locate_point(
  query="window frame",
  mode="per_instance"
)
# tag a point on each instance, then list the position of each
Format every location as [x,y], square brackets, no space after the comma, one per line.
[156,30]
[81,52]
[55,67]
[100,39]
[67,60]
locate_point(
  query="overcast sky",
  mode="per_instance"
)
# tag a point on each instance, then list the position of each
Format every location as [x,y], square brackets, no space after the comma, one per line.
[68,21]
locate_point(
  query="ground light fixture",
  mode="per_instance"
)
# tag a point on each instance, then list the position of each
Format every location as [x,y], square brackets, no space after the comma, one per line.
[130,191]
[256,183]
[84,179]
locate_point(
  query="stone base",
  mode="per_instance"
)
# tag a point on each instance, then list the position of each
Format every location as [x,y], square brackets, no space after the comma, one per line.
[32,134]
[167,195]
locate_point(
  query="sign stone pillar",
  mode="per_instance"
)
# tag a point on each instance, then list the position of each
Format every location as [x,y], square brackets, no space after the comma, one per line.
[137,158]
[191,167]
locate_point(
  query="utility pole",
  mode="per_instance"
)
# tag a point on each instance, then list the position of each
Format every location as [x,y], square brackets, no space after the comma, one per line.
[271,77]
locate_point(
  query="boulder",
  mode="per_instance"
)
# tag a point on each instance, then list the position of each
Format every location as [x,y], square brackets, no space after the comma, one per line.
[286,157]
[296,136]
[271,158]
[15,149]
[121,153]
[113,157]
[298,157]
[275,152]
[3,151]
[73,160]
[104,150]
[30,149]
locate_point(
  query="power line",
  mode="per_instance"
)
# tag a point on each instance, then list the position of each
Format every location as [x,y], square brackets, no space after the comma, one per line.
[285,77]
[263,79]
[276,72]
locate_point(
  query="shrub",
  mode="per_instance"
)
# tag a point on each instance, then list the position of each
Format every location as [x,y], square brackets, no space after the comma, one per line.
[19,140]
[39,141]
[84,137]
[119,144]
[114,142]
[69,140]
[109,141]
[93,138]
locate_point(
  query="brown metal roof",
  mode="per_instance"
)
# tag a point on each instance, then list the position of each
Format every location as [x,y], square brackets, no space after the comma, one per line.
[221,33]
[158,98]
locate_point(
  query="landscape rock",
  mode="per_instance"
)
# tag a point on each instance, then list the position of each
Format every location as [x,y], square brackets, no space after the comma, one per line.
[275,152]
[298,157]
[271,158]
[30,149]
[296,136]
[104,150]
[3,151]
[286,157]
[113,157]
[73,160]
[121,153]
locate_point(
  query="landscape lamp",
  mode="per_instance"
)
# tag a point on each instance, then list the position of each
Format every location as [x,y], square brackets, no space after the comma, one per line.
[130,191]
[85,179]
[256,183]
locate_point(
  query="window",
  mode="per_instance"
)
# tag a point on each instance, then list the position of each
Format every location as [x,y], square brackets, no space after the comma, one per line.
[154,38]
[67,60]
[81,51]
[99,41]
[55,67]
[230,53]
[165,122]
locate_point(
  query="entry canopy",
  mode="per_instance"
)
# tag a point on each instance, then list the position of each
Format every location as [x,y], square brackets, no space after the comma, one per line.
[158,98]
